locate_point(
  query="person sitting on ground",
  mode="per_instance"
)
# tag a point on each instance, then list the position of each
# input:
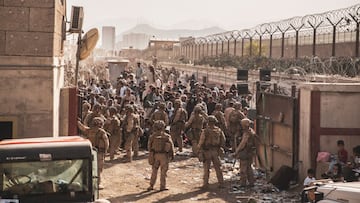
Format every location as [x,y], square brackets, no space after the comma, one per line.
[308,181]
[335,174]
[310,178]
[342,153]
[352,170]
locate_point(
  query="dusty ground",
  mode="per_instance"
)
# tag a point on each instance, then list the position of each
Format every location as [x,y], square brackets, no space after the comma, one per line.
[127,182]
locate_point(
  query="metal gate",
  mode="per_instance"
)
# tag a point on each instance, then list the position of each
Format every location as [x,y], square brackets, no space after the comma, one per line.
[277,127]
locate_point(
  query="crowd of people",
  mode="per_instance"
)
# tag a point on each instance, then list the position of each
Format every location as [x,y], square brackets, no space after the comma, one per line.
[162,111]
[165,108]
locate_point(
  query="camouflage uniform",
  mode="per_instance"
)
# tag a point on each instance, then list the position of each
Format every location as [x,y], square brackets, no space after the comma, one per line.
[220,117]
[161,150]
[129,131]
[160,114]
[196,123]
[88,121]
[245,152]
[234,126]
[112,126]
[211,141]
[178,124]
[85,110]
[98,139]
[138,133]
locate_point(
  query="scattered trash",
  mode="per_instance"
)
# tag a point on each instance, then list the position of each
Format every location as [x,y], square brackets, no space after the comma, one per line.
[261,192]
[184,153]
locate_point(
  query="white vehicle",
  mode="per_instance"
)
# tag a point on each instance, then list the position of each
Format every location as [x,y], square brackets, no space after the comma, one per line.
[340,192]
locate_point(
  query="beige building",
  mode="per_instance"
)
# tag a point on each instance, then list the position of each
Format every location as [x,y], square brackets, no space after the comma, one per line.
[31,67]
[135,41]
[108,38]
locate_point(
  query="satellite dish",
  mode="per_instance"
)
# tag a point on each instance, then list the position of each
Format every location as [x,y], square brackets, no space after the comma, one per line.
[88,43]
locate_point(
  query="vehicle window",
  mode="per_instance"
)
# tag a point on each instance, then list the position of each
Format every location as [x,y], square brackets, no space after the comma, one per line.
[44,177]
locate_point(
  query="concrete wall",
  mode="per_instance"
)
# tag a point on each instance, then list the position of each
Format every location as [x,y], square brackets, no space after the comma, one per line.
[343,49]
[304,131]
[31,67]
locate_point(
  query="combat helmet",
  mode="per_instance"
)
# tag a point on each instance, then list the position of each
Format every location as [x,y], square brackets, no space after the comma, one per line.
[245,122]
[129,108]
[197,109]
[159,125]
[212,119]
[177,103]
[98,121]
[162,106]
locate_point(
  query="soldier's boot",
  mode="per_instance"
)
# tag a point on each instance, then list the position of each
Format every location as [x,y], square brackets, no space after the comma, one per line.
[136,154]
[163,188]
[221,185]
[180,143]
[205,185]
[128,156]
[195,149]
[206,174]
[250,178]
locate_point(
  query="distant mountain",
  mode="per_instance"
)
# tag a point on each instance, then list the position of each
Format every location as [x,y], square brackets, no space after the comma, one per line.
[171,33]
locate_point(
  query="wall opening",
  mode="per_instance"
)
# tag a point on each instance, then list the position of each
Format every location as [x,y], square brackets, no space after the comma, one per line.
[6,129]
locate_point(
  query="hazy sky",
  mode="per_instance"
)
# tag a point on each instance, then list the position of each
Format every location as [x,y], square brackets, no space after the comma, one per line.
[196,14]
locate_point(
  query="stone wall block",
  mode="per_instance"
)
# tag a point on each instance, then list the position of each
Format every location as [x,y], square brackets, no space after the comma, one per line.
[42,19]
[30,3]
[14,18]
[58,43]
[2,42]
[29,44]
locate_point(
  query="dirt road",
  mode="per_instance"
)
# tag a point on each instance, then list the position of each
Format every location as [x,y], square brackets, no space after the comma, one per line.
[127,182]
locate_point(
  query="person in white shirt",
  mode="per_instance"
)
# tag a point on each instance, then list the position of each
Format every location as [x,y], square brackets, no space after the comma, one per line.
[308,182]
[310,177]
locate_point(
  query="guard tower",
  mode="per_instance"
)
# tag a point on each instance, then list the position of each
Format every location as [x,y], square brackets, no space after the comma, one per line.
[31,67]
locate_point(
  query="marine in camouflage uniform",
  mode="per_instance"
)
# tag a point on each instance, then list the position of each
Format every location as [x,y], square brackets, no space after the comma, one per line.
[160,114]
[234,126]
[85,110]
[211,143]
[178,124]
[161,150]
[98,138]
[138,132]
[245,152]
[96,112]
[129,130]
[112,126]
[195,123]
[220,117]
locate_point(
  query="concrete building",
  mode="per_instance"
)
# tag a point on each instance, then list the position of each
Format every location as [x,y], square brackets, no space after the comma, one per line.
[31,67]
[162,44]
[108,38]
[135,41]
